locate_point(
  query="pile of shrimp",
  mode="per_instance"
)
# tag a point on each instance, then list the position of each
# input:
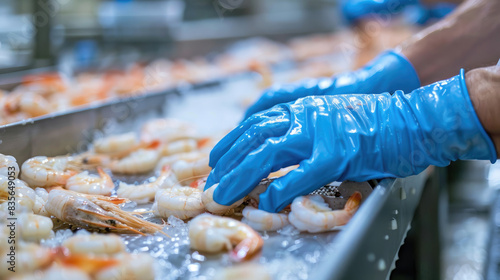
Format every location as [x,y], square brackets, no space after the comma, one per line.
[78,192]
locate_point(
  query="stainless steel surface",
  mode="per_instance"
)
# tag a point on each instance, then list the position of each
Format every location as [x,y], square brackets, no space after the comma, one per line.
[72,131]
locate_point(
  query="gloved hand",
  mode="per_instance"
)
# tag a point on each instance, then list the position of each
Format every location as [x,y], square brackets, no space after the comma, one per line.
[354,10]
[348,137]
[388,72]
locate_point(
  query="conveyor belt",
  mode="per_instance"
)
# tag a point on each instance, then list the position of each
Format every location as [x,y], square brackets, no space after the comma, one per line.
[371,240]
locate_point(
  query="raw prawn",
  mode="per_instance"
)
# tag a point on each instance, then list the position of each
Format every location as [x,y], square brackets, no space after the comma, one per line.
[101,244]
[91,184]
[146,192]
[41,171]
[262,220]
[34,228]
[140,161]
[214,234]
[213,207]
[187,157]
[116,144]
[311,213]
[96,212]
[187,172]
[166,130]
[8,164]
[181,202]
[130,267]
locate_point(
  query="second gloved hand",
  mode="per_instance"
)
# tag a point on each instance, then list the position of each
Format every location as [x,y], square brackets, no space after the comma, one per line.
[347,137]
[388,72]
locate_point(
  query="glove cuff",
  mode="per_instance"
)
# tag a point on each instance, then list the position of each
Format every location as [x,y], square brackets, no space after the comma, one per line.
[388,72]
[475,119]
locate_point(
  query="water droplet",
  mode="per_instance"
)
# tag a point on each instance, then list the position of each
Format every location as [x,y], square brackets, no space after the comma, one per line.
[394,224]
[413,191]
[370,257]
[381,264]
[403,194]
[386,237]
[396,212]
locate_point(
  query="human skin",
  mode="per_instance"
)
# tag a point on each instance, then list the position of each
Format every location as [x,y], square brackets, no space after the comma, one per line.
[483,85]
[468,38]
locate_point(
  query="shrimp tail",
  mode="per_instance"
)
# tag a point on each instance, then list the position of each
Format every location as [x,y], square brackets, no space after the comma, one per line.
[89,264]
[246,249]
[353,202]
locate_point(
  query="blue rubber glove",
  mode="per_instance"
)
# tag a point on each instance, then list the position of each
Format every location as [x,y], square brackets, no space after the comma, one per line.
[348,137]
[388,72]
[354,10]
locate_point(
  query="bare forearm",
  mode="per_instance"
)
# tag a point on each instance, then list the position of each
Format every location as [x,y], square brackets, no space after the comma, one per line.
[468,38]
[484,90]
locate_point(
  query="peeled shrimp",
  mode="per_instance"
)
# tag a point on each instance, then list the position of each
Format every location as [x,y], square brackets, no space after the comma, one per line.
[29,258]
[311,213]
[130,267]
[187,172]
[181,202]
[140,161]
[100,244]
[262,220]
[8,166]
[187,157]
[213,207]
[116,144]
[55,272]
[146,192]
[245,271]
[91,184]
[44,171]
[25,196]
[179,146]
[34,228]
[96,212]
[215,234]
[166,130]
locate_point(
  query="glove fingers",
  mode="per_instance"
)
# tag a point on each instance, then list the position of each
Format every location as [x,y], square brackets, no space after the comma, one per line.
[257,165]
[248,142]
[225,143]
[303,180]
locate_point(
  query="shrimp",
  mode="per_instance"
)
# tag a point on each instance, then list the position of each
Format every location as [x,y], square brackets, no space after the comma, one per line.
[41,171]
[41,199]
[213,207]
[55,272]
[140,161]
[34,228]
[25,196]
[214,234]
[262,220]
[29,258]
[187,172]
[116,144]
[179,146]
[311,213]
[166,130]
[91,184]
[95,212]
[246,271]
[100,244]
[187,157]
[181,202]
[146,192]
[130,267]
[8,164]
